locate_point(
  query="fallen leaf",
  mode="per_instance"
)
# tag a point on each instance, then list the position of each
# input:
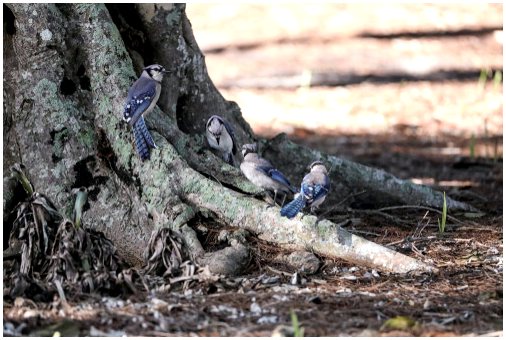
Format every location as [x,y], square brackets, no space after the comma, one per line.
[399,323]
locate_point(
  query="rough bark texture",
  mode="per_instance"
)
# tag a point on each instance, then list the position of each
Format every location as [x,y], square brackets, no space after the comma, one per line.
[67,72]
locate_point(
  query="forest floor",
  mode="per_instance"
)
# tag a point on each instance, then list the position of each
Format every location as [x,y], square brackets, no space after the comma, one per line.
[465,298]
[446,133]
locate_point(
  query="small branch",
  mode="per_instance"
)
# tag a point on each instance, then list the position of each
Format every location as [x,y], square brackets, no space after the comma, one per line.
[416,250]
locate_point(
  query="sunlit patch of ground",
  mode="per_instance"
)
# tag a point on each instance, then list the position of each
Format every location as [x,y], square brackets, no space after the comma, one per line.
[228,24]
[426,109]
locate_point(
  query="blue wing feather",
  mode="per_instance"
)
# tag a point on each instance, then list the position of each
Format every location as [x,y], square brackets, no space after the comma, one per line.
[307,190]
[275,174]
[313,192]
[140,96]
[319,191]
[265,169]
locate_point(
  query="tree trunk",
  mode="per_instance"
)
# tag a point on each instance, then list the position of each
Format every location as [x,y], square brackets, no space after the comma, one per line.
[67,70]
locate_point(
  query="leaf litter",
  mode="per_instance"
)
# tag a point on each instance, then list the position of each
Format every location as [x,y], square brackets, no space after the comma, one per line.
[173,296]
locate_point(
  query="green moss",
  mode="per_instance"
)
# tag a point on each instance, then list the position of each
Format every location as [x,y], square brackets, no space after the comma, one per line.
[104,106]
[60,138]
[157,187]
[181,143]
[87,138]
[184,216]
[88,9]
[108,64]
[60,112]
[323,231]
[173,17]
[113,66]
[121,142]
[149,193]
[159,179]
[167,153]
[124,151]
[59,171]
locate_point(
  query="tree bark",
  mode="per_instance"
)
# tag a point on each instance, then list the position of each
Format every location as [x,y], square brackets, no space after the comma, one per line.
[66,79]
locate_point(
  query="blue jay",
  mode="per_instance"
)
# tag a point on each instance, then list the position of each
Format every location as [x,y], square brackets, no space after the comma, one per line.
[313,190]
[261,172]
[220,136]
[141,100]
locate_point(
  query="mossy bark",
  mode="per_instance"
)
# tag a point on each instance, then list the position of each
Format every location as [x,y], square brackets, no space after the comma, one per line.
[70,71]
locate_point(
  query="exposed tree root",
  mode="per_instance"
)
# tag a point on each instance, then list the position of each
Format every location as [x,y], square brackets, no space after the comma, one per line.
[347,177]
[325,239]
[229,261]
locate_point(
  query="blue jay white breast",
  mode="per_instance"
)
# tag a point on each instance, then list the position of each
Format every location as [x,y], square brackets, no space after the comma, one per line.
[218,136]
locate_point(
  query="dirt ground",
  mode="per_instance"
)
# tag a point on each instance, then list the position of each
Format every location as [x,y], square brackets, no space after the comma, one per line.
[446,133]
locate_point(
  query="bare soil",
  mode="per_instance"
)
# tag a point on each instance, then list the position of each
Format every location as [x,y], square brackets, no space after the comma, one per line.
[446,134]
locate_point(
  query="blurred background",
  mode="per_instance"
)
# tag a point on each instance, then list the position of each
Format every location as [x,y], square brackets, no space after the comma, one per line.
[424,72]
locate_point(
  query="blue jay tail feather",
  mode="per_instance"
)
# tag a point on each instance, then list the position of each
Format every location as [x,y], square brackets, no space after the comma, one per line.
[140,141]
[145,132]
[291,209]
